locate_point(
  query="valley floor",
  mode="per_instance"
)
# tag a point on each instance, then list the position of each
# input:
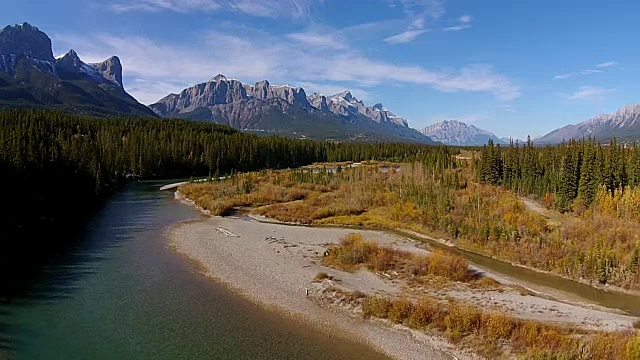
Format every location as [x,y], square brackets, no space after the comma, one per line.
[275,266]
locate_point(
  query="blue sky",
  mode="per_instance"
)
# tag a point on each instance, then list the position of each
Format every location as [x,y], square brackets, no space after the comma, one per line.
[516,68]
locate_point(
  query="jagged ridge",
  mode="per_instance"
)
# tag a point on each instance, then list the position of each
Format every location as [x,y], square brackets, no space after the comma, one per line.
[32,77]
[623,124]
[287,110]
[458,133]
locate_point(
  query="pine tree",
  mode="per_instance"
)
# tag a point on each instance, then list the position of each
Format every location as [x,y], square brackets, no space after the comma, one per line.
[587,186]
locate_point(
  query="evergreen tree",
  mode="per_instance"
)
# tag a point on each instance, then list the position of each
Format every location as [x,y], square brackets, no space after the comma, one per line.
[587,186]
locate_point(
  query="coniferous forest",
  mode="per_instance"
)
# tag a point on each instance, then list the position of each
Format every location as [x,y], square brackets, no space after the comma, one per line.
[56,168]
[568,176]
[596,186]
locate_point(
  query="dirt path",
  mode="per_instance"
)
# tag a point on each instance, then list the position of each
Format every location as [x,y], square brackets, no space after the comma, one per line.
[535,207]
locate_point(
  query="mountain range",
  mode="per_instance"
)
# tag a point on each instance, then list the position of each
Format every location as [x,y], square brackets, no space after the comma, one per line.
[457,133]
[31,77]
[624,124]
[286,110]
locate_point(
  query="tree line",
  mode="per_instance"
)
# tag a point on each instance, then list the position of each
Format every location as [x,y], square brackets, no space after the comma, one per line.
[596,185]
[56,167]
[568,175]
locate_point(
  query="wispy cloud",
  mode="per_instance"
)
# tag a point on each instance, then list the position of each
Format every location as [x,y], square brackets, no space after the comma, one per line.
[598,69]
[419,13]
[576,73]
[404,37]
[507,107]
[318,39]
[465,19]
[429,9]
[457,27]
[163,5]
[589,92]
[607,64]
[256,55]
[261,8]
[464,22]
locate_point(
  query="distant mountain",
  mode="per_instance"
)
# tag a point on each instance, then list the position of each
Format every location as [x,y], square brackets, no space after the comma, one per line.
[624,124]
[31,77]
[347,106]
[457,133]
[286,110]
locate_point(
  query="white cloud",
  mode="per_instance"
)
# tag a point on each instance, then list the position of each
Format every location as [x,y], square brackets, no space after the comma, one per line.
[404,37]
[273,8]
[255,55]
[457,27]
[575,73]
[417,24]
[161,5]
[589,92]
[600,68]
[262,8]
[417,12]
[318,40]
[479,78]
[464,22]
[507,107]
[432,9]
[607,64]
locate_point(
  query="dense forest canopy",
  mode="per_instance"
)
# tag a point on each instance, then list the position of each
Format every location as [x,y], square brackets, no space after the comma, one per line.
[57,167]
[567,176]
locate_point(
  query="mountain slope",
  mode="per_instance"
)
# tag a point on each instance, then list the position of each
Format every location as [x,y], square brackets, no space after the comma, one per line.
[624,124]
[285,110]
[457,133]
[346,105]
[31,77]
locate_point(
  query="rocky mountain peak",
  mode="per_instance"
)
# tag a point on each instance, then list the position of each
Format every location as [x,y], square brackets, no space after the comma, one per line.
[319,101]
[345,95]
[219,78]
[25,40]
[628,110]
[260,90]
[458,133]
[111,69]
[378,106]
[70,59]
[622,124]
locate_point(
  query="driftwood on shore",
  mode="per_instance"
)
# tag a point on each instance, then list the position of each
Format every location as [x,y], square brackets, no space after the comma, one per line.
[226,232]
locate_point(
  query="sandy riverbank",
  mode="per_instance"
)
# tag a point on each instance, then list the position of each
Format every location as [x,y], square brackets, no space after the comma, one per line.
[274,264]
[276,273]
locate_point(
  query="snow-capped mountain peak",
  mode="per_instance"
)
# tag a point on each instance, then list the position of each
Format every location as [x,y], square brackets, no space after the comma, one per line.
[346,105]
[458,133]
[623,124]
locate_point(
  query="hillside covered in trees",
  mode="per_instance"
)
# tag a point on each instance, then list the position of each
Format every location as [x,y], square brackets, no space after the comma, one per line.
[56,168]
[475,201]
[567,176]
[595,190]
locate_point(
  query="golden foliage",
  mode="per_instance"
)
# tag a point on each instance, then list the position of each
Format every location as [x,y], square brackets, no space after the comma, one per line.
[527,339]
[598,245]
[354,251]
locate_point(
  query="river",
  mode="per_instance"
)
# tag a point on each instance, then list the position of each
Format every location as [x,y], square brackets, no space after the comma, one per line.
[121,293]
